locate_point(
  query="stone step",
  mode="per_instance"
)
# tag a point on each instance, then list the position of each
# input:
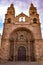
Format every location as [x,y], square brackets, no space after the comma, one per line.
[22,63]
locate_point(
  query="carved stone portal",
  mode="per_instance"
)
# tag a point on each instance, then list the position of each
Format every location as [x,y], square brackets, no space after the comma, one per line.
[22,45]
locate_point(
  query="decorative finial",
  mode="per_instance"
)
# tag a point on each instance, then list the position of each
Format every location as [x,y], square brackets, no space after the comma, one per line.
[32,4]
[12,5]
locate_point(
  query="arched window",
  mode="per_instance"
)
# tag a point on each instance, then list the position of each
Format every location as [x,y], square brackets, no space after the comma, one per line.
[22,19]
[35,20]
[9,20]
[33,12]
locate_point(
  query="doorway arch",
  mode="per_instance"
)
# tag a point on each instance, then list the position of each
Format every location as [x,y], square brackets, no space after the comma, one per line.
[21,53]
[24,36]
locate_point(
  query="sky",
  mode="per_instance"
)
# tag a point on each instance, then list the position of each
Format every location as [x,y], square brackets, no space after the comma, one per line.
[20,6]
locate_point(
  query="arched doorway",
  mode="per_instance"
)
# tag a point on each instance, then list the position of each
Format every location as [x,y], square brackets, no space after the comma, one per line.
[22,37]
[21,53]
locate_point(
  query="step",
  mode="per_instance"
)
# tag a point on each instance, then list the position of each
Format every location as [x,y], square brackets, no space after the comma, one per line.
[22,63]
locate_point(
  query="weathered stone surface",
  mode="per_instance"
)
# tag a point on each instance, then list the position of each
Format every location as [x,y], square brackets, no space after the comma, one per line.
[20,33]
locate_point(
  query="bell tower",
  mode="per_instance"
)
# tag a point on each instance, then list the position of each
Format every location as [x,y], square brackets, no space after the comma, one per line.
[9,18]
[11,10]
[34,14]
[35,21]
[32,10]
[10,14]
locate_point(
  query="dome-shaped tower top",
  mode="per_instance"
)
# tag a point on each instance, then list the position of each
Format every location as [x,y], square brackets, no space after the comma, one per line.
[11,10]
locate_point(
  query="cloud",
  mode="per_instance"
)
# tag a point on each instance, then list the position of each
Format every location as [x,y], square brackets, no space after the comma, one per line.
[1,31]
[1,27]
[3,10]
[42,34]
[35,2]
[21,5]
[4,2]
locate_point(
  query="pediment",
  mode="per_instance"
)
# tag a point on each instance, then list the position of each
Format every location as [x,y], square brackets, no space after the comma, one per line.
[22,15]
[22,18]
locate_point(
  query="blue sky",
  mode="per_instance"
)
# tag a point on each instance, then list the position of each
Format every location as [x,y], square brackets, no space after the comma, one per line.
[20,6]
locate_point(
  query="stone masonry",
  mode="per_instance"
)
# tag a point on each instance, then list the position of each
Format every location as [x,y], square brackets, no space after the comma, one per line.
[21,38]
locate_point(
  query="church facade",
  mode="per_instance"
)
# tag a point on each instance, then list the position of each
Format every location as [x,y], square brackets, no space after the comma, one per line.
[21,38]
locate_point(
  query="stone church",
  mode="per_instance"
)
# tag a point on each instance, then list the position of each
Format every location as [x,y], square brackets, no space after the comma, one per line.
[21,38]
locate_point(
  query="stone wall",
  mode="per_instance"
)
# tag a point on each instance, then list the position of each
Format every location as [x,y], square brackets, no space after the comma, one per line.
[39,49]
[0,45]
[0,40]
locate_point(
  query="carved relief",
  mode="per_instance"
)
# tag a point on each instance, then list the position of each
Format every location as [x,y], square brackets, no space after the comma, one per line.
[23,38]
